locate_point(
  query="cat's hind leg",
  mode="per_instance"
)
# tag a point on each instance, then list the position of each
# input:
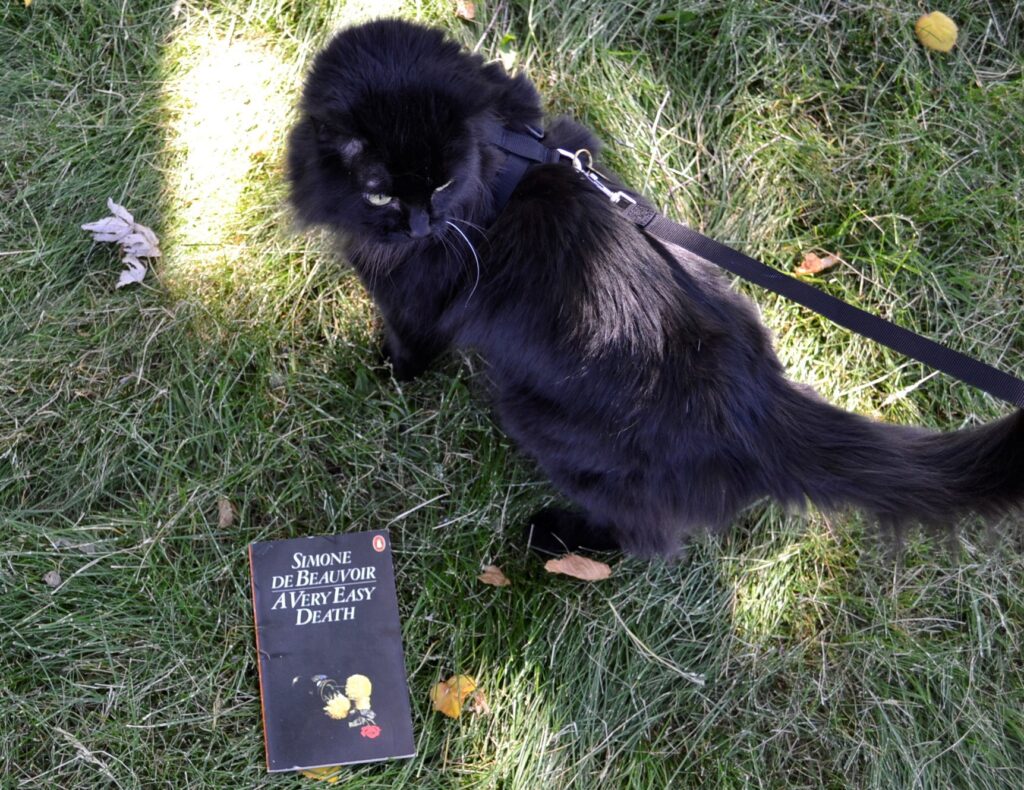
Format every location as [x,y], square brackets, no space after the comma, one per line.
[557,531]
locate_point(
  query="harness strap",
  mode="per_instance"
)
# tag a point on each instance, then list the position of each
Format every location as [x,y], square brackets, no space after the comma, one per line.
[967,369]
[524,151]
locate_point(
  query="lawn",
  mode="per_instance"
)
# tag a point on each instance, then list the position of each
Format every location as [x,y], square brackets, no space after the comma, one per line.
[799,651]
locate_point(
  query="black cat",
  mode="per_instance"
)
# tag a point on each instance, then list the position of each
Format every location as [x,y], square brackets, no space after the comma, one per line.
[644,387]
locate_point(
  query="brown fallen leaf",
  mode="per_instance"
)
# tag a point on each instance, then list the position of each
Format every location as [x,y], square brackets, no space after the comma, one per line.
[579,568]
[478,703]
[448,695]
[225,513]
[492,575]
[464,9]
[812,264]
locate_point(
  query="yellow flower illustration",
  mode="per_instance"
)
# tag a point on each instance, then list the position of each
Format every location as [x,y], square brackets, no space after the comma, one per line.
[337,707]
[357,689]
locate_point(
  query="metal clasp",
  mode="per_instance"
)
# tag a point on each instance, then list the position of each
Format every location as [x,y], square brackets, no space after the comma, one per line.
[585,169]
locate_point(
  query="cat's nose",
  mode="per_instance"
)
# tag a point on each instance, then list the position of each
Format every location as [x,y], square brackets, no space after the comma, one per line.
[419,223]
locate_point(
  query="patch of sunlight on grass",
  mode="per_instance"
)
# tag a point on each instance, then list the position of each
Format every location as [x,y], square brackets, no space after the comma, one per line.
[763,593]
[783,593]
[524,736]
[230,96]
[229,101]
[229,92]
[362,10]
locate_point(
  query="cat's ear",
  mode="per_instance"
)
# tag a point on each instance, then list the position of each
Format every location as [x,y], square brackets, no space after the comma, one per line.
[516,98]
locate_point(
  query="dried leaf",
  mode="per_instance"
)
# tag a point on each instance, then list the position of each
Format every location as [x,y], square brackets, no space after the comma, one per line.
[478,703]
[133,274]
[579,568]
[142,243]
[492,575]
[448,695]
[225,513]
[812,264]
[137,241]
[52,579]
[120,212]
[464,9]
[329,773]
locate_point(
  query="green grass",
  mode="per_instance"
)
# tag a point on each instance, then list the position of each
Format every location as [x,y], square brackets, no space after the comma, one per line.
[793,653]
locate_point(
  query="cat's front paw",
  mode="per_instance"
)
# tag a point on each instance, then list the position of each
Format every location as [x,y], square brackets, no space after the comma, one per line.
[403,367]
[406,364]
[409,360]
[557,531]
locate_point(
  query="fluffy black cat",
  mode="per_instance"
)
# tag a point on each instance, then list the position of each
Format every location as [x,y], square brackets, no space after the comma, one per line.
[644,387]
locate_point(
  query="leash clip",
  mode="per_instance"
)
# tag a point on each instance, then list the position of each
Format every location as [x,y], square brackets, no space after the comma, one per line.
[585,169]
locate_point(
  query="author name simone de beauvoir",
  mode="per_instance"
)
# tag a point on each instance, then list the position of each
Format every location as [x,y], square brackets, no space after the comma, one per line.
[318,592]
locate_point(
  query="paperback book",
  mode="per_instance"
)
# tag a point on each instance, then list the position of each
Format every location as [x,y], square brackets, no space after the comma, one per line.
[332,674]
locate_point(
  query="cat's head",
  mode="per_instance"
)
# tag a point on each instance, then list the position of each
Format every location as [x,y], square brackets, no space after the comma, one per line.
[390,142]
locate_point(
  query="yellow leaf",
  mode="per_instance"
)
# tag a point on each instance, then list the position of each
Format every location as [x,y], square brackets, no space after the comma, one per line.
[492,575]
[462,686]
[330,773]
[449,695]
[936,31]
[812,264]
[579,568]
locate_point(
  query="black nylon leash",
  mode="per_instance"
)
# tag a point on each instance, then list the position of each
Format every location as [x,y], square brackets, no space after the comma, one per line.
[527,151]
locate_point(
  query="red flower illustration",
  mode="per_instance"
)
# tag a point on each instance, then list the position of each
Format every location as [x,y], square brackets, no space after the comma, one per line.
[370,731]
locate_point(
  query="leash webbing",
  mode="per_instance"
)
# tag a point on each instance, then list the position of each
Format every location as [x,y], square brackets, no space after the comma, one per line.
[967,369]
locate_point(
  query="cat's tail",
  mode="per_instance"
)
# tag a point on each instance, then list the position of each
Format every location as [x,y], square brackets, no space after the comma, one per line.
[899,474]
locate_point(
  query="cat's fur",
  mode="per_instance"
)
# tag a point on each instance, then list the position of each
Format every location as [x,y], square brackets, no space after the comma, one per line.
[644,387]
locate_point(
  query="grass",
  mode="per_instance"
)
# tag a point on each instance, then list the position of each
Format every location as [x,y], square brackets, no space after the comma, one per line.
[793,653]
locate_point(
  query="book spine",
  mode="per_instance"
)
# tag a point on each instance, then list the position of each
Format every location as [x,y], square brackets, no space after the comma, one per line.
[259,655]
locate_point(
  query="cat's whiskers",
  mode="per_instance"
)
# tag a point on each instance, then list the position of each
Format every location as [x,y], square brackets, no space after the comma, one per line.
[469,224]
[449,247]
[453,251]
[472,249]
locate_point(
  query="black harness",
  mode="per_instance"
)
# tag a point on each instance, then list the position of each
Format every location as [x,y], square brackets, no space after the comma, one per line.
[526,149]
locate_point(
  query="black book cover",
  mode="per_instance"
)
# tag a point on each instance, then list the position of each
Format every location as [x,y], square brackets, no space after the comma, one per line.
[332,675]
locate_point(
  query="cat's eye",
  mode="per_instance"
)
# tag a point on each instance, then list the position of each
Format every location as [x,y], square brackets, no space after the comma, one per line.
[376,199]
[445,185]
